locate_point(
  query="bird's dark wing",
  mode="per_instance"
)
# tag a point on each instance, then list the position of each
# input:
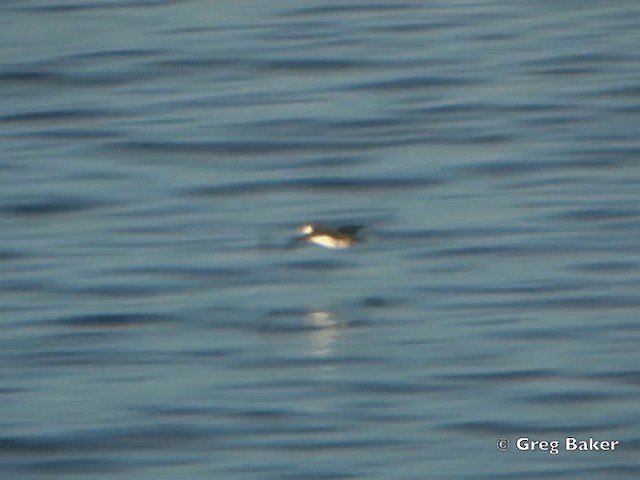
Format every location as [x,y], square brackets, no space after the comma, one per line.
[350,229]
[295,242]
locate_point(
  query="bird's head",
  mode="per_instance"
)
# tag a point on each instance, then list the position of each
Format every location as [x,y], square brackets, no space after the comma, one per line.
[307,229]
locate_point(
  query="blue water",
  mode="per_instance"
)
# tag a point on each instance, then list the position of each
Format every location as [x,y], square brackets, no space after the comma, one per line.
[156,155]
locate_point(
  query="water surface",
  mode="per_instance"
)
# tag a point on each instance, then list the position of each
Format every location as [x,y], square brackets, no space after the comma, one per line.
[156,155]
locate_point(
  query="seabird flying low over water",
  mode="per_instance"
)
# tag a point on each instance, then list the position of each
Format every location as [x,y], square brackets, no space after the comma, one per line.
[342,237]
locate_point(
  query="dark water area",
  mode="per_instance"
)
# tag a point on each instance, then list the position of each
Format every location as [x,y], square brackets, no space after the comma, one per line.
[155,156]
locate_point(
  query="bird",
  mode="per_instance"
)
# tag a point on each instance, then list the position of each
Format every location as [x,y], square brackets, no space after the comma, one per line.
[339,238]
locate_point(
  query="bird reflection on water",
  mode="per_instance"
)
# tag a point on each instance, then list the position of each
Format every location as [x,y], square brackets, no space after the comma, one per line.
[323,327]
[327,327]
